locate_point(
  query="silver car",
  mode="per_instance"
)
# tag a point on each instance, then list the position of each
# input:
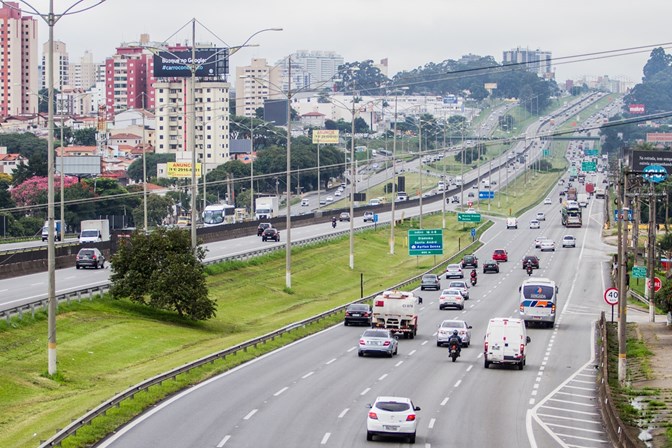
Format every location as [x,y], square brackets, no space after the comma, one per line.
[446,330]
[451,298]
[454,270]
[378,341]
[462,286]
[568,241]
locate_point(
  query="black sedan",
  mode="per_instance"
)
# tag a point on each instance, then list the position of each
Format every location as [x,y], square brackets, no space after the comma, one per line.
[357,313]
[491,266]
[469,261]
[430,281]
[271,233]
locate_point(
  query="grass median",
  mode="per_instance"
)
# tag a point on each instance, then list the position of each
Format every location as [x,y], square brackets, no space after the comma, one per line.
[105,345]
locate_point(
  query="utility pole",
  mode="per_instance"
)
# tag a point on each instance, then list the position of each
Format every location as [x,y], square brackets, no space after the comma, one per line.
[650,268]
[622,275]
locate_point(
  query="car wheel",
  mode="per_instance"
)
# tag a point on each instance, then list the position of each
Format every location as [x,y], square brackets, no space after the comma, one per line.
[462,307]
[360,354]
[396,350]
[95,266]
[422,288]
[345,323]
[486,363]
[438,344]
[369,436]
[411,439]
[77,266]
[520,365]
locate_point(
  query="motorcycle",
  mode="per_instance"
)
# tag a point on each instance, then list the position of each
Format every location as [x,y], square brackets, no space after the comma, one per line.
[529,270]
[454,352]
[333,224]
[473,281]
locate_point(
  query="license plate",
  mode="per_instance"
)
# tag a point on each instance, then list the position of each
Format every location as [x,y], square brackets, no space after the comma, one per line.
[390,427]
[356,315]
[496,348]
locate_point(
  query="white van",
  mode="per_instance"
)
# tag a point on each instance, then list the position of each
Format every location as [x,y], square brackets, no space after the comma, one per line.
[505,342]
[511,223]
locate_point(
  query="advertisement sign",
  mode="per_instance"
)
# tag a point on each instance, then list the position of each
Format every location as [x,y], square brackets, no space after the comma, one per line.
[659,137]
[182,169]
[636,108]
[324,136]
[641,159]
[450,99]
[425,242]
[211,62]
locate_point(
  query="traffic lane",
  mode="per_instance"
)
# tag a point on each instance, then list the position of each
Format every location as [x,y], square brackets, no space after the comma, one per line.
[32,244]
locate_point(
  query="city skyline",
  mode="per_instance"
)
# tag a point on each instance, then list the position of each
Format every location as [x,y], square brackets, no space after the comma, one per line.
[358,30]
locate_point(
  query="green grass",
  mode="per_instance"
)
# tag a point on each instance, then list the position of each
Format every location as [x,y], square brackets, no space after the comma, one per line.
[105,346]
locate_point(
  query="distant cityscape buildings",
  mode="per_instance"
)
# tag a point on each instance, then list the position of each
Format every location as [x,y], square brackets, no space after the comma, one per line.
[61,65]
[536,61]
[310,69]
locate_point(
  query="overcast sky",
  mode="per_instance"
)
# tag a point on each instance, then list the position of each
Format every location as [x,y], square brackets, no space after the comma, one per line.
[408,33]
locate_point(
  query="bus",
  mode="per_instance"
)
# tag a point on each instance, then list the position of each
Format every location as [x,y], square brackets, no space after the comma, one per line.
[216,215]
[538,301]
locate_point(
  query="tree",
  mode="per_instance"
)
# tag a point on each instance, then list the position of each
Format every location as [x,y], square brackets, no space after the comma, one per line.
[6,200]
[658,62]
[158,208]
[478,92]
[162,271]
[85,137]
[362,76]
[135,169]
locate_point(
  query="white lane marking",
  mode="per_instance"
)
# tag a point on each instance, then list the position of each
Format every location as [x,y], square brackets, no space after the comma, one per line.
[37,284]
[574,411]
[445,400]
[576,428]
[250,414]
[576,395]
[534,393]
[458,383]
[470,367]
[223,442]
[343,412]
[590,405]
[411,352]
[280,391]
[365,391]
[382,377]
[531,400]
[422,309]
[582,438]
[3,290]
[325,438]
[70,278]
[424,343]
[431,423]
[479,355]
[399,363]
[307,375]
[351,349]
[582,420]
[330,361]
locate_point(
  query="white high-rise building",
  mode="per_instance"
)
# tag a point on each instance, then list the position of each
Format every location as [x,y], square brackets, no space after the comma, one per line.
[18,61]
[536,61]
[212,121]
[83,74]
[61,65]
[256,83]
[311,69]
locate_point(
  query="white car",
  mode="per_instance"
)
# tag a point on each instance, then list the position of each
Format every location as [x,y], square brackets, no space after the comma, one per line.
[511,223]
[462,286]
[305,202]
[392,417]
[454,270]
[548,201]
[538,240]
[451,298]
[338,193]
[446,330]
[534,224]
[568,241]
[541,216]
[330,199]
[547,245]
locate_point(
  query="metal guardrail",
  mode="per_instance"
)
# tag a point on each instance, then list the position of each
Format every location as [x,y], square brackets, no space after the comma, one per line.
[115,401]
[637,296]
[613,424]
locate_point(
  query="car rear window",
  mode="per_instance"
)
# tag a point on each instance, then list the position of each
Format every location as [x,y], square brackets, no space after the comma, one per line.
[358,307]
[393,406]
[376,334]
[456,285]
[452,325]
[87,252]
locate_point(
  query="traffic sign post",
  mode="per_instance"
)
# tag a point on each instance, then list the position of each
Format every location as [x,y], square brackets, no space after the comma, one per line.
[425,242]
[611,297]
[639,272]
[657,284]
[588,167]
[485,194]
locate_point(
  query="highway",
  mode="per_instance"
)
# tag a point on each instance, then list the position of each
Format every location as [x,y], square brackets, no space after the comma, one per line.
[314,392]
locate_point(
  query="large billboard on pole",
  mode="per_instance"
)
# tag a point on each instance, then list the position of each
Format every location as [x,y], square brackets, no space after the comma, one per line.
[325,136]
[181,169]
[210,62]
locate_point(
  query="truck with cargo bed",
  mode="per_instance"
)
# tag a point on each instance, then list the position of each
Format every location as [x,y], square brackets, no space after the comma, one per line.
[396,311]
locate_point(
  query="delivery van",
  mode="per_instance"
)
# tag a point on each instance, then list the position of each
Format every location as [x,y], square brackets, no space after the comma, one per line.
[505,342]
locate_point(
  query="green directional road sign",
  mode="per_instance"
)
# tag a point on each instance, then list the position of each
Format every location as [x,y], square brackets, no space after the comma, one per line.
[468,217]
[425,242]
[591,152]
[588,167]
[547,152]
[639,271]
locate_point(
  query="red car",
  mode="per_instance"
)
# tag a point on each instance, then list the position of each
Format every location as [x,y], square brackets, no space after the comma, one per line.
[500,255]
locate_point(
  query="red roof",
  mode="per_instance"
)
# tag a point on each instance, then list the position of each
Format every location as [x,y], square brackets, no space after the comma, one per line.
[313,114]
[125,137]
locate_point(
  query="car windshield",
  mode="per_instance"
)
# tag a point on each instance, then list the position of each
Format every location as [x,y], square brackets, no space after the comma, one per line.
[457,285]
[429,277]
[358,307]
[89,233]
[452,324]
[393,406]
[451,292]
[454,266]
[87,252]
[375,334]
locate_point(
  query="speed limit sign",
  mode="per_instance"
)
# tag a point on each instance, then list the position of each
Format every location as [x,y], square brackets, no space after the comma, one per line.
[611,296]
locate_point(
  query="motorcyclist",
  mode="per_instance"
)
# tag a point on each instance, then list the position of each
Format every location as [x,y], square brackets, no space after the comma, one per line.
[528,267]
[333,221]
[474,276]
[455,339]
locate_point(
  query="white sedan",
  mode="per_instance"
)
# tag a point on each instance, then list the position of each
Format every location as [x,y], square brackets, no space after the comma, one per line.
[330,199]
[547,245]
[392,417]
[568,241]
[338,193]
[534,224]
[548,201]
[541,216]
[446,329]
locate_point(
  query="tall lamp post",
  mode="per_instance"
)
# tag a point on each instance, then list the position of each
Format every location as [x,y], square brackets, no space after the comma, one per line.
[51,19]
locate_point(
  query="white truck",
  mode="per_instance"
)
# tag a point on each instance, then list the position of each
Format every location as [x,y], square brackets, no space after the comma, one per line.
[94,231]
[57,230]
[458,181]
[582,199]
[396,311]
[266,208]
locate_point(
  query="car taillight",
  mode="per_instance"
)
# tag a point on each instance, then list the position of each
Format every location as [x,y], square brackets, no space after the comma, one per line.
[386,343]
[485,346]
[347,313]
[410,418]
[522,348]
[373,415]
[522,308]
[93,257]
[553,309]
[362,342]
[366,314]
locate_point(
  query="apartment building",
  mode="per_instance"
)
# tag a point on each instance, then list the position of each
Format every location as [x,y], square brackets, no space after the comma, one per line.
[61,65]
[212,121]
[82,75]
[18,60]
[536,61]
[256,83]
[311,69]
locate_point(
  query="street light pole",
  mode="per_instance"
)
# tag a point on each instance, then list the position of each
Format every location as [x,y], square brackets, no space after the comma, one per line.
[251,165]
[144,167]
[288,243]
[192,136]
[420,153]
[394,173]
[353,183]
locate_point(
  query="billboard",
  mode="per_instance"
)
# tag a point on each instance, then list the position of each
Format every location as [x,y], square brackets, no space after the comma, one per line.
[326,136]
[642,159]
[276,110]
[658,137]
[212,62]
[450,99]
[182,169]
[80,165]
[636,108]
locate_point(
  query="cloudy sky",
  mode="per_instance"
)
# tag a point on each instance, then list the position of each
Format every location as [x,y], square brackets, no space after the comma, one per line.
[408,33]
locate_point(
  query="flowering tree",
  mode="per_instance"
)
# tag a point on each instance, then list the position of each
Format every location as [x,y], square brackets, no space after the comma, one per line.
[33,190]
